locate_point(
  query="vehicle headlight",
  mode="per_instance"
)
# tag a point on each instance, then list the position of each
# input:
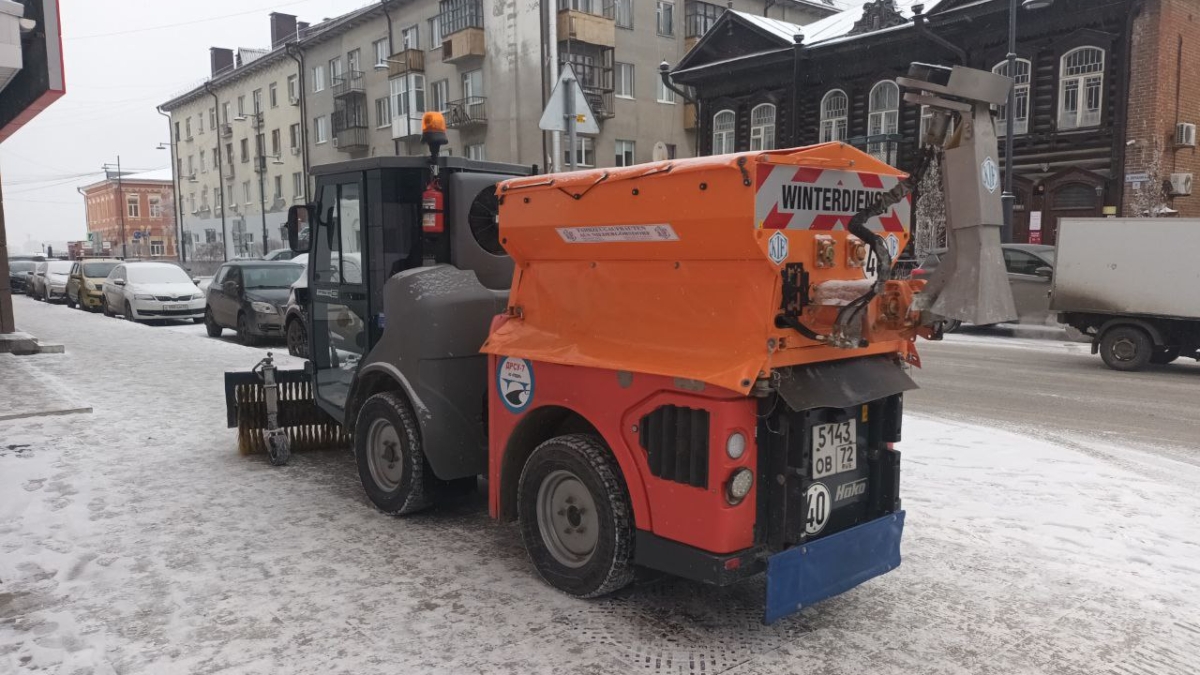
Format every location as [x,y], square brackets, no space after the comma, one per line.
[263,307]
[90,286]
[739,485]
[143,296]
[735,445]
[197,296]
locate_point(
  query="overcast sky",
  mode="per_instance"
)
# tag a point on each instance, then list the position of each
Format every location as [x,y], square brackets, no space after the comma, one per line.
[121,62]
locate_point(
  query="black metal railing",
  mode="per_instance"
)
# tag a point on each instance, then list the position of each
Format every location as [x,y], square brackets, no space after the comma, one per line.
[353,138]
[348,83]
[595,80]
[466,112]
[456,15]
[350,117]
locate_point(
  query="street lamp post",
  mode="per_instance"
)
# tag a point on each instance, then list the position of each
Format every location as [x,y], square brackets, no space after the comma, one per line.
[1009,198]
[121,206]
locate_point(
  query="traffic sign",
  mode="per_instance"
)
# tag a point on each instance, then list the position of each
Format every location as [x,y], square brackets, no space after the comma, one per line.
[554,117]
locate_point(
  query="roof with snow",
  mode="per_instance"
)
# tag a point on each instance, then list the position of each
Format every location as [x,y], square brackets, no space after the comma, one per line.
[155,176]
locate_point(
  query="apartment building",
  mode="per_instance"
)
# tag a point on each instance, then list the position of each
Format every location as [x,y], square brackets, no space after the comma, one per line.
[357,86]
[237,145]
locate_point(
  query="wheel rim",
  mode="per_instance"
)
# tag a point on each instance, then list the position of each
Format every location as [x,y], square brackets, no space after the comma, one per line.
[385,455]
[295,339]
[1124,350]
[566,515]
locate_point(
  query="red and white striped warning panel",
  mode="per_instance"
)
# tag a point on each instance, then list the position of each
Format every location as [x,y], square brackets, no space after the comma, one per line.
[807,198]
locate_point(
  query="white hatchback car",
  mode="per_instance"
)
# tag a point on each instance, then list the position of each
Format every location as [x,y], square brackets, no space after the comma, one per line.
[140,291]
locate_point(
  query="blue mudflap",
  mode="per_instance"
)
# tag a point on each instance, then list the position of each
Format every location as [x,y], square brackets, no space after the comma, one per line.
[807,574]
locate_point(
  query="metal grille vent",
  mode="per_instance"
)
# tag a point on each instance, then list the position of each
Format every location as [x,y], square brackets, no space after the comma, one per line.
[676,443]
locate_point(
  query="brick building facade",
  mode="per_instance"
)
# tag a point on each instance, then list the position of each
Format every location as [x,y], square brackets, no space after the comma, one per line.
[137,211]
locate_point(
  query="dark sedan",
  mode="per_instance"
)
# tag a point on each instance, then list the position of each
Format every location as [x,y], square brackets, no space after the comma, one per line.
[1030,269]
[249,296]
[19,271]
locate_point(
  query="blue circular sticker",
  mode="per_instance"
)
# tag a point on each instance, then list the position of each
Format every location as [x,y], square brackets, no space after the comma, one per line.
[514,383]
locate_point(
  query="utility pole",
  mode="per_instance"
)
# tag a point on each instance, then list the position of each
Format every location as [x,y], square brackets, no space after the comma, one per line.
[121,206]
[569,114]
[7,323]
[261,141]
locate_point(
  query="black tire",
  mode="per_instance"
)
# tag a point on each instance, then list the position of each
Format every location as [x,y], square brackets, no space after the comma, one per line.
[952,325]
[1126,348]
[1164,355]
[243,331]
[405,484]
[197,319]
[210,324]
[129,312]
[597,569]
[104,308]
[71,304]
[297,338]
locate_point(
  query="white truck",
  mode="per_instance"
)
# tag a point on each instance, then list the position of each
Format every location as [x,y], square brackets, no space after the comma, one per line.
[1133,285]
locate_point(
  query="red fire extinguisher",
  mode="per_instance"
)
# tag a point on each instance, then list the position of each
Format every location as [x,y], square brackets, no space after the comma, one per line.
[432,202]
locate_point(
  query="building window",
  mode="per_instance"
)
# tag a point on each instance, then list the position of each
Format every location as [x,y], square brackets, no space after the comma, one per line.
[203,163]
[273,95]
[335,69]
[625,153]
[382,52]
[133,206]
[177,136]
[435,32]
[156,247]
[212,118]
[320,130]
[187,121]
[665,15]
[671,150]
[476,152]
[1021,94]
[225,112]
[155,206]
[410,38]
[439,95]
[762,127]
[624,14]
[354,61]
[318,83]
[834,116]
[383,112]
[1081,92]
[700,17]
[275,143]
[245,150]
[278,188]
[472,83]
[257,94]
[883,118]
[623,80]
[294,137]
[408,96]
[664,93]
[246,191]
[293,88]
[298,184]
[241,100]
[585,152]
[724,123]
[210,236]
[1075,197]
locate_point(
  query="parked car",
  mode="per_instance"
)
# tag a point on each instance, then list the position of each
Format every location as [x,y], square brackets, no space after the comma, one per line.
[50,280]
[86,282]
[19,272]
[280,254]
[295,312]
[249,297]
[151,290]
[1030,271]
[202,282]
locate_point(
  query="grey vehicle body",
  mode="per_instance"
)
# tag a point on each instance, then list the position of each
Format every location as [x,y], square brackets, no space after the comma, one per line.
[407,318]
[19,273]
[1130,284]
[234,293]
[1030,269]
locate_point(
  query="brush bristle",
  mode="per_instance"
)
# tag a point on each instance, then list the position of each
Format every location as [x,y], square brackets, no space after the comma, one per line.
[306,426]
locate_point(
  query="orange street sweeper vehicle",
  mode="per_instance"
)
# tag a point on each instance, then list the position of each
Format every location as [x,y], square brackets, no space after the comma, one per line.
[696,366]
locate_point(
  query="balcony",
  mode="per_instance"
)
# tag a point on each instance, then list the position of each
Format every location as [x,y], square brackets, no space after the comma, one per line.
[257,121]
[350,133]
[226,130]
[405,62]
[467,112]
[349,84]
[462,30]
[406,127]
[585,27]
[229,172]
[260,164]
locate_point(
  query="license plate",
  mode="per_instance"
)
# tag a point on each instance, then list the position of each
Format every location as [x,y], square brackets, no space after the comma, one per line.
[170,308]
[835,448]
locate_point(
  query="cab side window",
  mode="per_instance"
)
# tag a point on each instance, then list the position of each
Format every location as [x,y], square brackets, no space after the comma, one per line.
[323,261]
[220,277]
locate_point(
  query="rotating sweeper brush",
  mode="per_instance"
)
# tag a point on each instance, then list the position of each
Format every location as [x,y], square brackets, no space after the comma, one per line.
[274,413]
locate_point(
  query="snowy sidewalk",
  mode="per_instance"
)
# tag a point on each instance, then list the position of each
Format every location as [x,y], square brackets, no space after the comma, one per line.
[136,540]
[31,392]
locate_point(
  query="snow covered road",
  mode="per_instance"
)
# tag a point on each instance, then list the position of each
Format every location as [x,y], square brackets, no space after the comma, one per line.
[136,540]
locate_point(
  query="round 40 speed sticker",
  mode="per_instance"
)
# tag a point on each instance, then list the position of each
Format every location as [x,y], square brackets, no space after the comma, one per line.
[819,506]
[514,383]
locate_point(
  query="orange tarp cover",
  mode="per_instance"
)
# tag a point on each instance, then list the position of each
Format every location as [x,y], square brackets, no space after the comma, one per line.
[685,289]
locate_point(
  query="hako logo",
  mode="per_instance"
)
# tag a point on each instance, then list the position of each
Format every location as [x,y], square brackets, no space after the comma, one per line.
[990,173]
[514,383]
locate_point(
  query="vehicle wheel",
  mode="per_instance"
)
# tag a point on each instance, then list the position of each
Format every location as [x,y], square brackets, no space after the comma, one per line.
[951,326]
[1164,355]
[197,319]
[575,516]
[1126,348]
[210,324]
[104,308]
[129,312]
[297,339]
[391,464]
[71,304]
[243,331]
